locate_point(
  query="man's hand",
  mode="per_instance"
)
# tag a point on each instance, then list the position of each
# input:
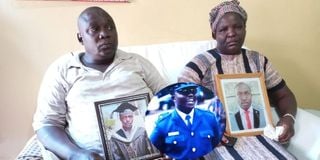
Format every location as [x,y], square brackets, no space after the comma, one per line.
[85,155]
[56,140]
[288,129]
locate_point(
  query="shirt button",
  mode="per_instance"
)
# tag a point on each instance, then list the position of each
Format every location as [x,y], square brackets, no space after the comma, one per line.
[194,149]
[174,142]
[192,133]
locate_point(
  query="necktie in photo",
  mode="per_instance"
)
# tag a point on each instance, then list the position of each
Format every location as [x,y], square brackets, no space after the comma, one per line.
[248,119]
[188,121]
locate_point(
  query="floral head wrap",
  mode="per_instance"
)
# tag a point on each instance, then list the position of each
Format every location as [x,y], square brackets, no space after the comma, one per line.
[226,7]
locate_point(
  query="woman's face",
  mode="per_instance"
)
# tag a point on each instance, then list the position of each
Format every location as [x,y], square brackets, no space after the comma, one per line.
[230,34]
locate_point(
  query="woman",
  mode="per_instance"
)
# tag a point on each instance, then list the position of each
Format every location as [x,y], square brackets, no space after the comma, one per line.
[228,26]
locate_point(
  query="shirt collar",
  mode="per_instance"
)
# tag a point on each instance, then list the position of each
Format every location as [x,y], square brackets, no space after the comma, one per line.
[119,57]
[242,111]
[183,115]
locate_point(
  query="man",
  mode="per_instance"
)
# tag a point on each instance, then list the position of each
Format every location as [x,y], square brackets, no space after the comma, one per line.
[130,142]
[65,120]
[228,27]
[186,132]
[248,117]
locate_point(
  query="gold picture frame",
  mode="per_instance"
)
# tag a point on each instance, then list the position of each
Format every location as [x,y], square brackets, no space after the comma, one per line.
[238,92]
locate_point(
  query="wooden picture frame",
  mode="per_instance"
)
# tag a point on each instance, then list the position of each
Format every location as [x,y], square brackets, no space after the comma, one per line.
[235,90]
[113,118]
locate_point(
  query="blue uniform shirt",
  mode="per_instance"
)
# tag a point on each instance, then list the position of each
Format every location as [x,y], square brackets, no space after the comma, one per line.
[172,137]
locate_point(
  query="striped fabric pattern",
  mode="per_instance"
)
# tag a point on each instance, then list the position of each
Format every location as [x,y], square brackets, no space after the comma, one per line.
[251,148]
[206,65]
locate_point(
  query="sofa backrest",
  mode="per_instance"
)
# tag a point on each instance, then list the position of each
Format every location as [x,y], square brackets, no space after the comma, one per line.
[170,58]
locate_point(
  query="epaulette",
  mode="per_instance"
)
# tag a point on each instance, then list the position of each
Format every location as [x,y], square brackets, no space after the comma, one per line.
[163,116]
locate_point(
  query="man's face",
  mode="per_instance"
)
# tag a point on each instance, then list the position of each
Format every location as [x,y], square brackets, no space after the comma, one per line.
[185,99]
[244,96]
[126,120]
[230,34]
[99,35]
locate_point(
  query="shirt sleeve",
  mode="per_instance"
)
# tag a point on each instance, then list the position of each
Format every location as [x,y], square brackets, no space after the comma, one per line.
[151,76]
[273,78]
[193,71]
[51,106]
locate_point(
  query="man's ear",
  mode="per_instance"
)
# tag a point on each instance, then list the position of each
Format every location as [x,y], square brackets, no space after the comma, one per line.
[213,35]
[79,37]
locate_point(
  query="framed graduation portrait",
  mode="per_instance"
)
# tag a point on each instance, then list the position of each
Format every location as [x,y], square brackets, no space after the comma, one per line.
[122,129]
[246,103]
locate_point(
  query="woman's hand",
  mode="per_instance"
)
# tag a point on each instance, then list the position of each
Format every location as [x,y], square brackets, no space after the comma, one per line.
[288,129]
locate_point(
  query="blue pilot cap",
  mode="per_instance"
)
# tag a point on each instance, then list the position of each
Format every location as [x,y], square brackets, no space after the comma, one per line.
[186,88]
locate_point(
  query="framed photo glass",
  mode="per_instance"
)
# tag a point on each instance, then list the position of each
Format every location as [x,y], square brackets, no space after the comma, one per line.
[122,129]
[245,101]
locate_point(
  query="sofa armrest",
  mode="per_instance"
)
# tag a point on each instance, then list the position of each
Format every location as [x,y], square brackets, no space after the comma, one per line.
[305,144]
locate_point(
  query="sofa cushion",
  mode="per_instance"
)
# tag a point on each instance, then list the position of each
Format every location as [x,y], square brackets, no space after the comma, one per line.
[31,150]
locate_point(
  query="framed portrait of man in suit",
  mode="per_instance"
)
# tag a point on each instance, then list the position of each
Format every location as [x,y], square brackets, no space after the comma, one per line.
[122,130]
[245,101]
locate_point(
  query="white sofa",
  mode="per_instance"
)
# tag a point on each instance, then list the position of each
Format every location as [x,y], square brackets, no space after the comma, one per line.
[170,58]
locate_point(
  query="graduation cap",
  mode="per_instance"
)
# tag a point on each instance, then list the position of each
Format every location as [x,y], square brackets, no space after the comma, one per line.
[125,108]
